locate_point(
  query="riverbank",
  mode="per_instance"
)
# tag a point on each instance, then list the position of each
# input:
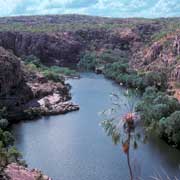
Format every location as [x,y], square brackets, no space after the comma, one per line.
[80,144]
[31,91]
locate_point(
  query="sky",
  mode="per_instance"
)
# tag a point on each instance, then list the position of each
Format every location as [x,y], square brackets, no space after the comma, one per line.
[109,8]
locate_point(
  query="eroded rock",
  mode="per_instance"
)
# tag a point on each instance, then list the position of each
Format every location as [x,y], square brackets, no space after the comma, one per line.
[17,172]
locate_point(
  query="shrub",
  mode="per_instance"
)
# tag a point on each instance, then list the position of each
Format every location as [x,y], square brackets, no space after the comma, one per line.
[52,76]
[88,61]
[6,138]
[8,153]
[31,59]
[170,128]
[160,112]
[156,79]
[54,73]
[63,71]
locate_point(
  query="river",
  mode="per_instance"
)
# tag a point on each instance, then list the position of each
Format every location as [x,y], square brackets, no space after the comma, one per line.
[75,147]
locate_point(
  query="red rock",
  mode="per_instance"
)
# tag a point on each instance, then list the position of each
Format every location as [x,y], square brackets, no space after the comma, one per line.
[17,172]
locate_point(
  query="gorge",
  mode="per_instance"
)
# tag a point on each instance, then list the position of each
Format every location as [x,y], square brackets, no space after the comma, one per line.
[74,145]
[34,54]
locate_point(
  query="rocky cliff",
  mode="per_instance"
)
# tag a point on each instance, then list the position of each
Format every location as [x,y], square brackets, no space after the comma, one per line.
[60,40]
[26,94]
[52,48]
[149,44]
[13,89]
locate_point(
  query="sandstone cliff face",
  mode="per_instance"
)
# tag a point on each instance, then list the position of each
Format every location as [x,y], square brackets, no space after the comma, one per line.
[65,48]
[13,89]
[60,40]
[51,48]
[160,55]
[10,72]
[21,90]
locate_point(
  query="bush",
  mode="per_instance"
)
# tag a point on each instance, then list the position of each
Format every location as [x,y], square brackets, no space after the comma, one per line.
[170,128]
[113,58]
[54,73]
[8,153]
[161,113]
[88,61]
[31,59]
[157,79]
[6,138]
[50,75]
[63,71]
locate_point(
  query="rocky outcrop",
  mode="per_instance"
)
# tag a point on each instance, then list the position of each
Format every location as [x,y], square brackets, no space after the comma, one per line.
[53,105]
[21,90]
[10,72]
[160,55]
[60,40]
[52,48]
[13,89]
[17,172]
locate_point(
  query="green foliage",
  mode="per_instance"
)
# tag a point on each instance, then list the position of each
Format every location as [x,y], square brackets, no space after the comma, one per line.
[121,73]
[6,138]
[158,111]
[54,73]
[13,154]
[65,26]
[8,153]
[33,113]
[31,59]
[159,35]
[157,79]
[170,128]
[88,61]
[63,71]
[92,59]
[115,66]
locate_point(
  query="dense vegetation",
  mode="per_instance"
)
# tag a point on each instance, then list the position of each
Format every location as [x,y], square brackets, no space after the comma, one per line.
[161,113]
[114,65]
[158,111]
[8,153]
[54,73]
[79,22]
[73,22]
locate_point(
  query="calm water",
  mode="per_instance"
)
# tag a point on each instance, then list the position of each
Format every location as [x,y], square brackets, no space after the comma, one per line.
[75,147]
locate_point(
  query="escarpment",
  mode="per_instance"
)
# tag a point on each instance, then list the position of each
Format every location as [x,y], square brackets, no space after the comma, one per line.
[51,48]
[161,55]
[14,91]
[61,41]
[148,46]
[24,93]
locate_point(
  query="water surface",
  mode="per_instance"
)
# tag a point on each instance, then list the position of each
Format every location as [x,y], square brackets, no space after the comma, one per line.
[74,146]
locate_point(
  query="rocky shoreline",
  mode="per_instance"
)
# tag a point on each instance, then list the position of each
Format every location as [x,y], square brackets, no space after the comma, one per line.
[16,172]
[26,95]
